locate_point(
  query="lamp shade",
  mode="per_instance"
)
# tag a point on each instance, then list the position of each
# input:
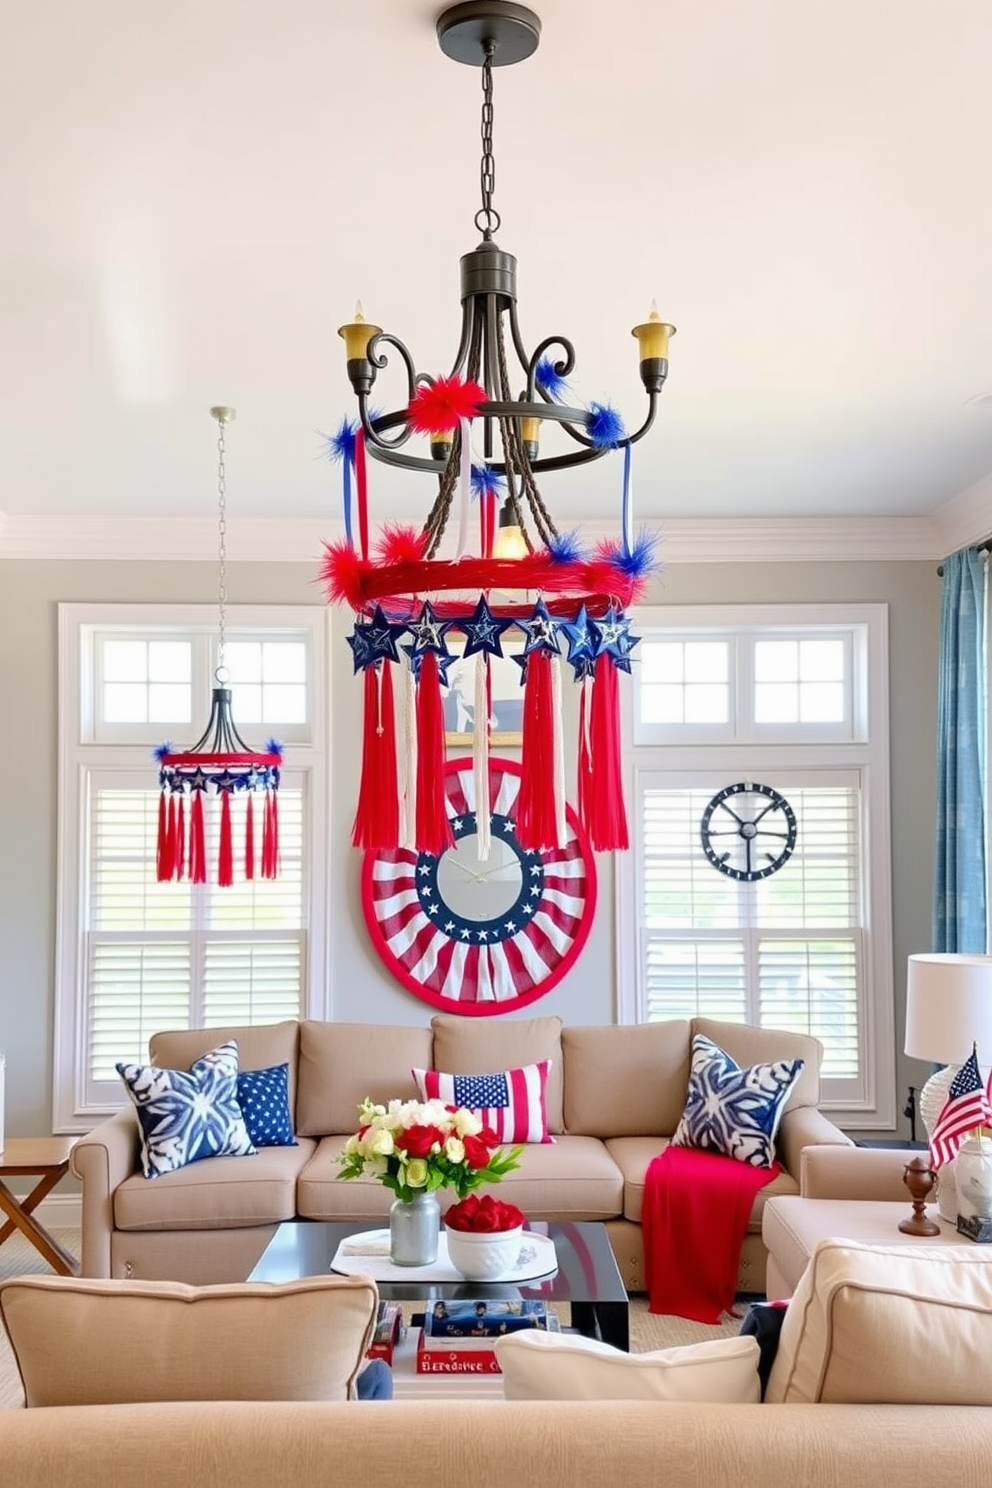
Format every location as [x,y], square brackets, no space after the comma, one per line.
[949,1008]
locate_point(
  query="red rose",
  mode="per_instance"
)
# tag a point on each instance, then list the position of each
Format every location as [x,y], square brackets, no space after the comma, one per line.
[417,1141]
[488,1137]
[477,1154]
[460,1216]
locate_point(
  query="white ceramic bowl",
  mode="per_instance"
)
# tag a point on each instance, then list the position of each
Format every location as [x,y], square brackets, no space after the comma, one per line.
[483,1257]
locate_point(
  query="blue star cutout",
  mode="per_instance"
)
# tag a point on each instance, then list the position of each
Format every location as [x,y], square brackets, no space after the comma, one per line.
[579,640]
[361,647]
[428,632]
[444,660]
[483,630]
[382,636]
[611,636]
[541,630]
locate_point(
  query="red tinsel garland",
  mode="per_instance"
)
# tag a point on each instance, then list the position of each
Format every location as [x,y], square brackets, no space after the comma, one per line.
[434,832]
[536,820]
[606,818]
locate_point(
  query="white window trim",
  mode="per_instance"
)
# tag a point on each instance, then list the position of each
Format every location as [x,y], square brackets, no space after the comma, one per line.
[878,1109]
[74,757]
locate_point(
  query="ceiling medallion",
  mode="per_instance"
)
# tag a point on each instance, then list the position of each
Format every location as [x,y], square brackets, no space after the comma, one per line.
[506,566]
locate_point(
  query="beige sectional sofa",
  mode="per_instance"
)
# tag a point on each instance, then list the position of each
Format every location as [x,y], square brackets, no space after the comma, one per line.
[615,1095]
[419,1444]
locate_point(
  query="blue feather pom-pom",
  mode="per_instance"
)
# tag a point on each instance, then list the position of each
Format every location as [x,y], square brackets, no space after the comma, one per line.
[273,746]
[341,445]
[605,426]
[161,750]
[547,374]
[564,547]
[642,557]
[485,481]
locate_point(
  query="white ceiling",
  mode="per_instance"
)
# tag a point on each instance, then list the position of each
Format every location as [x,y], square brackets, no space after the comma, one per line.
[193,193]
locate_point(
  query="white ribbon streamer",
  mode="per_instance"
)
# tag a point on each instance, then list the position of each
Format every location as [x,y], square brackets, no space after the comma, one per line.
[480,758]
[465,488]
[408,835]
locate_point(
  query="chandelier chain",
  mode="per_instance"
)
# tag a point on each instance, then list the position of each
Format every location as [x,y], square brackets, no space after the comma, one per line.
[221,544]
[487,219]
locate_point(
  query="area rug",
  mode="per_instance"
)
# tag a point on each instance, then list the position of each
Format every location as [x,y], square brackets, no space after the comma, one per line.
[648,1331]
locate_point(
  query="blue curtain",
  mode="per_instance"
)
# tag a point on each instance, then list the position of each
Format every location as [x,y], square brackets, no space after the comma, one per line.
[959,907]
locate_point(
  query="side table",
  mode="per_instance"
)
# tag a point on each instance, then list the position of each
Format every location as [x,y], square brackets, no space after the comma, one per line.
[46,1158]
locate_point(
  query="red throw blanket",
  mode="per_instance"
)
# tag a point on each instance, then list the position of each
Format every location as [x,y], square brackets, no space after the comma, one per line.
[696,1209]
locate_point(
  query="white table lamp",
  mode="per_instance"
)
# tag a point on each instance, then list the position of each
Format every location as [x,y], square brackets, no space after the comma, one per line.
[948,1009]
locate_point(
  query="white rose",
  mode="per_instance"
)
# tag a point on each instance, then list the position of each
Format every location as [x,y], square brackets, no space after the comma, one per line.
[378,1142]
[466,1123]
[352,1147]
[454,1150]
[415,1173]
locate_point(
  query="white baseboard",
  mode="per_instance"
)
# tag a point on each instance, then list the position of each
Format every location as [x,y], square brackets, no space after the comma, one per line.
[60,1212]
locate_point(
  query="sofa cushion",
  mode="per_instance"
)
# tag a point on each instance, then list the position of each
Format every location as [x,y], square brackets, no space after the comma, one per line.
[574,1179]
[342,1063]
[227,1192]
[474,1045]
[263,1096]
[259,1046]
[734,1111]
[512,1103]
[633,1155]
[888,1325]
[97,1342]
[625,1080]
[185,1116]
[557,1366]
[747,1044]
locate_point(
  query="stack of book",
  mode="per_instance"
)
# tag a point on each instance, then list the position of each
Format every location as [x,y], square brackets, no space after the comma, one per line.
[388,1327]
[459,1337]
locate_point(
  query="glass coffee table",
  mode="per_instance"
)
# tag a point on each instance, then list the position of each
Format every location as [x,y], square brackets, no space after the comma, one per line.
[587,1278]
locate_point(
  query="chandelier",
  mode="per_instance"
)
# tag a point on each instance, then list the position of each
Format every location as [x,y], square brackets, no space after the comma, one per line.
[478,430]
[220,763]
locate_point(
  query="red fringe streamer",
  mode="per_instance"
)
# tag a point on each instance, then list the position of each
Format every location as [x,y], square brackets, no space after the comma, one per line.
[225,852]
[197,841]
[434,832]
[584,791]
[536,818]
[163,867]
[249,839]
[270,836]
[377,815]
[179,839]
[607,814]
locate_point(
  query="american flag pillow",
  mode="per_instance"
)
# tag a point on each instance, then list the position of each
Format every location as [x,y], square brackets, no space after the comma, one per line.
[513,1102]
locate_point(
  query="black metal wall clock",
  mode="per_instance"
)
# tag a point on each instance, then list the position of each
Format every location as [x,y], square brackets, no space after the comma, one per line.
[748,831]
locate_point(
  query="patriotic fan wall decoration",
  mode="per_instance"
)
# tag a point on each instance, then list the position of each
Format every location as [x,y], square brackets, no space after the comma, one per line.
[219,764]
[507,567]
[478,935]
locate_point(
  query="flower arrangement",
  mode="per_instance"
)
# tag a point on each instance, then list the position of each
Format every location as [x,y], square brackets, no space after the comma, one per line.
[419,1146]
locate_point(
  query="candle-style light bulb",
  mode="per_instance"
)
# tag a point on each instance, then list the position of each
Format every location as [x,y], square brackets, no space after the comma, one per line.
[357,334]
[653,336]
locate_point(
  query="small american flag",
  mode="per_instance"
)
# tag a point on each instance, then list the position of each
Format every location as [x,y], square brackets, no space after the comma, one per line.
[512,1102]
[966,1107]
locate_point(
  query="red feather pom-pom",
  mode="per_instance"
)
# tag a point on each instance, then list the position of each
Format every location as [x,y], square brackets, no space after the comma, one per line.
[401,544]
[437,407]
[343,573]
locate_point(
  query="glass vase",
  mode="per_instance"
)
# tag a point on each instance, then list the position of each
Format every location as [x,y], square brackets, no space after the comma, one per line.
[414,1228]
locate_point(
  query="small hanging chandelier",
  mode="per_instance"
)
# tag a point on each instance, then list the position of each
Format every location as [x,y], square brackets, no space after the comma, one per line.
[569,604]
[219,763]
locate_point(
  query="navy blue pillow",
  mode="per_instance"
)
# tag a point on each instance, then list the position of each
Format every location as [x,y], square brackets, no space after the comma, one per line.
[264,1099]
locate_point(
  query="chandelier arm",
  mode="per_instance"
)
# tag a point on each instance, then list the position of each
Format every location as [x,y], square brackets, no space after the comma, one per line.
[515,451]
[465,339]
[564,369]
[372,427]
[437,519]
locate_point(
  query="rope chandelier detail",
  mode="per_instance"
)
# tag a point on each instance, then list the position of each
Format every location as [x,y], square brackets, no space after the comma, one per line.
[483,424]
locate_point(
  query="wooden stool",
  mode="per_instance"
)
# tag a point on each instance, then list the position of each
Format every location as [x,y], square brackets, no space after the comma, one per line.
[30,1157]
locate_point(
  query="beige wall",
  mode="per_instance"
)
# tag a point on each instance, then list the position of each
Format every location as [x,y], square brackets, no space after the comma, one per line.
[359,988]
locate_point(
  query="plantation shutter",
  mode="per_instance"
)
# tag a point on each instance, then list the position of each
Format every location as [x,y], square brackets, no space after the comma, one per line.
[172,955]
[784,952]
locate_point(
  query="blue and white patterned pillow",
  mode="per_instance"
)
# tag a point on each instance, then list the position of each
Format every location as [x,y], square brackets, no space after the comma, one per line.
[264,1099]
[186,1115]
[732,1110]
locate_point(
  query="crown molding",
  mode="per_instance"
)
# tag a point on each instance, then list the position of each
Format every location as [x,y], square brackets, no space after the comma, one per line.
[680,539]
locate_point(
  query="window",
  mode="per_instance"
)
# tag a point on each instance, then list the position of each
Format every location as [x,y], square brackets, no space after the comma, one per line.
[782,698]
[136,955]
